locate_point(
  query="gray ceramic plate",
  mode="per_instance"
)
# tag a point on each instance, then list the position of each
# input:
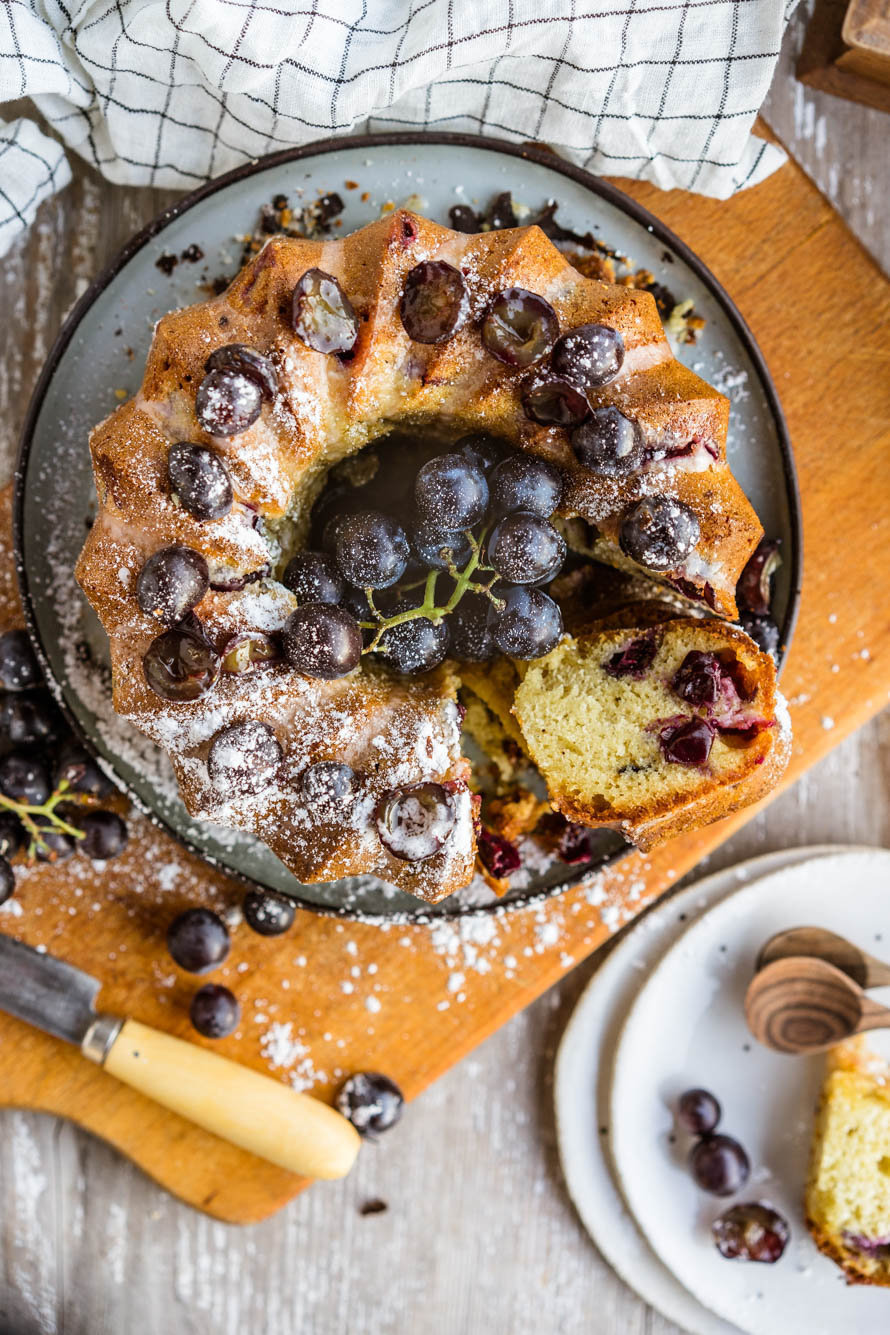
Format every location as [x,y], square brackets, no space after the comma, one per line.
[98,359]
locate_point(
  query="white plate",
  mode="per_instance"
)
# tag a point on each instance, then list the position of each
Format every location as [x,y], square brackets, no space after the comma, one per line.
[687,1027]
[582,1088]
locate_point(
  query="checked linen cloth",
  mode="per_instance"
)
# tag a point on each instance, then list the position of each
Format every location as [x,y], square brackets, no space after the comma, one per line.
[172,92]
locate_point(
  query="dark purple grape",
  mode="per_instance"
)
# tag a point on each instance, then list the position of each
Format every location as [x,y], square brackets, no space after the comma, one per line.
[52,845]
[554,402]
[719,1165]
[635,659]
[105,834]
[214,1011]
[471,639]
[763,631]
[268,913]
[575,845]
[464,219]
[609,443]
[314,577]
[323,316]
[687,743]
[7,881]
[244,758]
[434,302]
[249,650]
[752,1231]
[371,1102]
[81,771]
[483,451]
[246,361]
[172,582]
[29,719]
[530,624]
[701,679]
[659,532]
[524,482]
[754,589]
[698,1112]
[371,549]
[198,940]
[450,493]
[227,403]
[328,782]
[12,834]
[519,327]
[181,664]
[498,855]
[19,669]
[25,779]
[415,646]
[414,822]
[436,550]
[199,480]
[589,356]
[322,641]
[525,549]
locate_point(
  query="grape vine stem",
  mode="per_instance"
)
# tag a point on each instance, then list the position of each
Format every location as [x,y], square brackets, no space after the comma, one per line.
[463,583]
[27,811]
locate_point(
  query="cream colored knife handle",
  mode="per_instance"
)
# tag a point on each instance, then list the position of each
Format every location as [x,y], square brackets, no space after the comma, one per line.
[258,1113]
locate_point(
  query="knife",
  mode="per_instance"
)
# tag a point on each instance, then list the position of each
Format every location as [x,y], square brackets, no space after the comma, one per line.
[254,1111]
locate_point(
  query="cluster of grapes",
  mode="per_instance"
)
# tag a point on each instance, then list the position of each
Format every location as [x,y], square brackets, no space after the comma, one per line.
[463,576]
[751,1230]
[45,775]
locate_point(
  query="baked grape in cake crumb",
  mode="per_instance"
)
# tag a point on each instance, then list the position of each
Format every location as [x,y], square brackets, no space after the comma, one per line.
[248,362]
[589,356]
[329,781]
[372,1102]
[227,403]
[268,913]
[181,664]
[554,402]
[519,327]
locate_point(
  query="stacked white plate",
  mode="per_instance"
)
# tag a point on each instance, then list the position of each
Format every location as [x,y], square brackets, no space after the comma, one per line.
[664,1013]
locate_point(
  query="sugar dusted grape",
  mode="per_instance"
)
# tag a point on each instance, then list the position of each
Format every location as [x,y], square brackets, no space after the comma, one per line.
[314,577]
[244,758]
[609,443]
[450,493]
[416,646]
[19,669]
[268,913]
[530,624]
[371,549]
[371,1102]
[227,403]
[246,361]
[659,532]
[322,641]
[416,821]
[172,582]
[199,480]
[525,549]
[524,482]
[589,356]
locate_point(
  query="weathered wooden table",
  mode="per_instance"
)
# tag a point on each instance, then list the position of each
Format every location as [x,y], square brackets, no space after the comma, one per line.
[478,1232]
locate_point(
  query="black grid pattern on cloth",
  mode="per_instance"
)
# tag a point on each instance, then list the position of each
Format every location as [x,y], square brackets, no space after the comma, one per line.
[170,95]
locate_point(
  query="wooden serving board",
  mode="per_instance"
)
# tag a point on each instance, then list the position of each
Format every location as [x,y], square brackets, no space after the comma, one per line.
[331,997]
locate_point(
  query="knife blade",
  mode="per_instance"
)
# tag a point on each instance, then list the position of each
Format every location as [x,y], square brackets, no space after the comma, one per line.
[46,992]
[261,1115]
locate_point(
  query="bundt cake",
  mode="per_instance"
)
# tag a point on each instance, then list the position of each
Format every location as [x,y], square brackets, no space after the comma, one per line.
[848,1191]
[288,646]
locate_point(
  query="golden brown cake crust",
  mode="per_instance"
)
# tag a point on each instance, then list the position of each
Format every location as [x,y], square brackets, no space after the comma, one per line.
[328,409]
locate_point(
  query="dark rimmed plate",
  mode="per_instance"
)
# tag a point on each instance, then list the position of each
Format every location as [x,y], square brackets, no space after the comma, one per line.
[98,359]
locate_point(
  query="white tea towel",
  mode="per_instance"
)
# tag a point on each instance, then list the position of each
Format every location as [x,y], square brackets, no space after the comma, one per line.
[171,92]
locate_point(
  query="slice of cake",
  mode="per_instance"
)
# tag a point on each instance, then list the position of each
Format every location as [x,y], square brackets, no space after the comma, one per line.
[848,1192]
[654,729]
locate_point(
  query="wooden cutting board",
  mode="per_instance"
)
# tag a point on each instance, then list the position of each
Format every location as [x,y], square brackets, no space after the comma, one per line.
[332,997]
